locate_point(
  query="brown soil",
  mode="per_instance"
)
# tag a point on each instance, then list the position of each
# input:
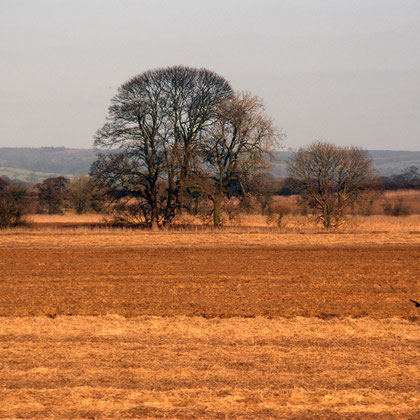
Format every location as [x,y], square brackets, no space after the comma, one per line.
[220,281]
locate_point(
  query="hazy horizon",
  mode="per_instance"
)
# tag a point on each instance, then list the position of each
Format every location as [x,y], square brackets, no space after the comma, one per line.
[348,72]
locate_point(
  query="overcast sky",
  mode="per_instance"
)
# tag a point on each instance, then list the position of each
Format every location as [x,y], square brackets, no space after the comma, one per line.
[345,71]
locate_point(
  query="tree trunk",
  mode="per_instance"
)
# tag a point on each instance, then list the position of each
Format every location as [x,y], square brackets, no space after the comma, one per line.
[154,224]
[154,213]
[217,207]
[327,218]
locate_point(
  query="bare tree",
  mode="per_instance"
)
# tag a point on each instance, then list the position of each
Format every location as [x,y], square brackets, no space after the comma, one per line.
[237,146]
[263,186]
[155,122]
[194,100]
[51,194]
[12,204]
[84,195]
[329,177]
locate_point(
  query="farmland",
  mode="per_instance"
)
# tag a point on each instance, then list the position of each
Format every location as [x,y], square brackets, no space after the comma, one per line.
[240,324]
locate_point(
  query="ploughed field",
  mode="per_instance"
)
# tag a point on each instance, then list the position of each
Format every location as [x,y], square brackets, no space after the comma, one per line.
[209,325]
[208,275]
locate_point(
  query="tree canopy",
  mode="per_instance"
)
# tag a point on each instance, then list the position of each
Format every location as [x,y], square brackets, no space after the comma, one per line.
[156,121]
[165,126]
[238,145]
[329,177]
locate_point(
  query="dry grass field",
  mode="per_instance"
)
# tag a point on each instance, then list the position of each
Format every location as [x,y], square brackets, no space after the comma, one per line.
[179,367]
[235,324]
[242,223]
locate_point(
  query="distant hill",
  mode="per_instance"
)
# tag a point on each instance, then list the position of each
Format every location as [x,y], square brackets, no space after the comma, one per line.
[36,164]
[386,162]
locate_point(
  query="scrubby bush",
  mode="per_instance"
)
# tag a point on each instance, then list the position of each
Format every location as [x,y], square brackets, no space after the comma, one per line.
[396,209]
[277,214]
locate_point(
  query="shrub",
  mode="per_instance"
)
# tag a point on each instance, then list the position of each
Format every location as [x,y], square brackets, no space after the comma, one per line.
[277,214]
[397,209]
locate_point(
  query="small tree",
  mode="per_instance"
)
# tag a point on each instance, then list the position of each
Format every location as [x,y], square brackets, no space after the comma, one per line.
[329,177]
[263,187]
[51,194]
[12,204]
[84,194]
[409,178]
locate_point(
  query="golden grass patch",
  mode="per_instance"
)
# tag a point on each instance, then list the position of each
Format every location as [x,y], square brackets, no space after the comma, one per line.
[181,367]
[244,223]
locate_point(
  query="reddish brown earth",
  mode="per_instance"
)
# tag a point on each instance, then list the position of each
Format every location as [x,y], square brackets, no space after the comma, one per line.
[212,282]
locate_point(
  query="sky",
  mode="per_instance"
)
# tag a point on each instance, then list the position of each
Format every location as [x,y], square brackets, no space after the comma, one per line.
[343,71]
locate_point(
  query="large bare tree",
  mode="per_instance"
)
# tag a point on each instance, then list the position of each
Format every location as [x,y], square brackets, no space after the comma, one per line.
[237,145]
[156,121]
[329,177]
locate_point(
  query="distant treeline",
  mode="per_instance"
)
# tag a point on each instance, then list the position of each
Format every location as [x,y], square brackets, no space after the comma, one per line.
[81,194]
[36,164]
[407,179]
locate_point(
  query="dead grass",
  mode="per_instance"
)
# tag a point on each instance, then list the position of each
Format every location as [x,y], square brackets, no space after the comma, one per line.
[351,224]
[42,219]
[111,367]
[242,223]
[411,194]
[251,237]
